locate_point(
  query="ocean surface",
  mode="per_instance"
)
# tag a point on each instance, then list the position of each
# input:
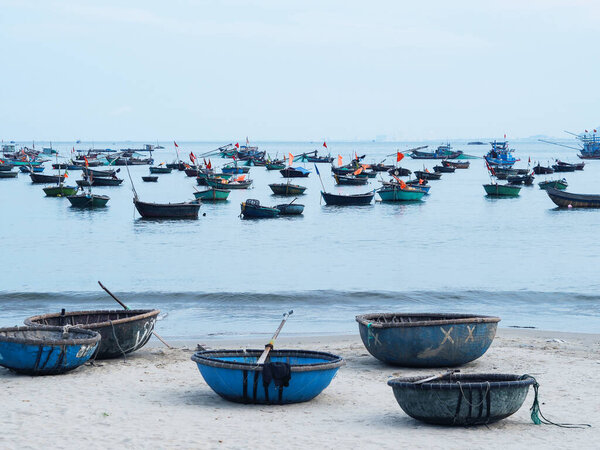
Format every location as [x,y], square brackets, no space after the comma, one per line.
[457,251]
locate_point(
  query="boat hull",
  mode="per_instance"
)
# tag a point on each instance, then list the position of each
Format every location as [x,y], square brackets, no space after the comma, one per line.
[561,185]
[288,209]
[501,190]
[88,200]
[187,210]
[400,195]
[249,211]
[236,376]
[40,178]
[348,200]
[564,199]
[287,189]
[212,195]
[122,331]
[160,169]
[9,174]
[60,191]
[426,340]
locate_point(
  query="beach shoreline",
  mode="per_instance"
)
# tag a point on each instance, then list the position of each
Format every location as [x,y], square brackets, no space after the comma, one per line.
[156,398]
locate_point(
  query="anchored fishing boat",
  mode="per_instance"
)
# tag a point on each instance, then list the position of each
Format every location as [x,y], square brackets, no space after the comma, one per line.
[40,178]
[275,165]
[500,155]
[556,184]
[238,183]
[122,331]
[150,178]
[184,210]
[295,172]
[160,169]
[502,190]
[564,199]
[426,175]
[542,170]
[443,151]
[456,164]
[290,209]
[88,200]
[461,399]
[46,350]
[527,180]
[348,200]
[444,169]
[34,169]
[426,340]
[252,209]
[350,180]
[212,195]
[287,189]
[8,174]
[397,193]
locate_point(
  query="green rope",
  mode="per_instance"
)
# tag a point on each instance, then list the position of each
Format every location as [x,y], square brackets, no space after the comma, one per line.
[536,414]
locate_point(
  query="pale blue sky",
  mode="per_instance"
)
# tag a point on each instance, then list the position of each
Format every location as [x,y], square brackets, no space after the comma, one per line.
[297,70]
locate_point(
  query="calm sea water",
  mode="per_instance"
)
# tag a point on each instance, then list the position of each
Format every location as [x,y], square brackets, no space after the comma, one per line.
[522,259]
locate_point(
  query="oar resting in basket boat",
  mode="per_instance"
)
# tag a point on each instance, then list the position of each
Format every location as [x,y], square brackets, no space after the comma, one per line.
[269,346]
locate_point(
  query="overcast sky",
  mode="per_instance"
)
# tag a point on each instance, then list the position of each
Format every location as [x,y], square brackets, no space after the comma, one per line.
[297,70]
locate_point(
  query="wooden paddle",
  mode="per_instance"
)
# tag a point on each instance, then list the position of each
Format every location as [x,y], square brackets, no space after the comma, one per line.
[126,307]
[437,377]
[269,346]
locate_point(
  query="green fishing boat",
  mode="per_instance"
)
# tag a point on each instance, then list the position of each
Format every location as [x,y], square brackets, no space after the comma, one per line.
[275,166]
[212,195]
[556,184]
[287,189]
[160,169]
[399,194]
[88,200]
[502,190]
[60,190]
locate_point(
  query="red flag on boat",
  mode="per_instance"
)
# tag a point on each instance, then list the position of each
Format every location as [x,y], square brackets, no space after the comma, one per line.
[358,171]
[66,174]
[529,160]
[237,145]
[399,156]
[504,135]
[192,157]
[175,144]
[586,131]
[339,160]
[291,158]
[209,165]
[86,162]
[402,184]
[421,181]
[594,131]
[325,144]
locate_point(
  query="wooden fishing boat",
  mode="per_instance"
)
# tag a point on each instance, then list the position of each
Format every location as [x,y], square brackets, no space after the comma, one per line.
[287,189]
[399,172]
[106,181]
[236,374]
[46,350]
[178,165]
[99,173]
[456,164]
[426,340]
[564,199]
[88,200]
[400,194]
[380,167]
[67,166]
[367,174]
[192,171]
[9,174]
[34,169]
[83,183]
[424,175]
[541,170]
[150,178]
[212,195]
[39,178]
[350,180]
[556,184]
[160,169]
[60,190]
[527,180]
[123,331]
[344,170]
[295,172]
[4,167]
[235,169]
[184,210]
[317,159]
[443,151]
[563,167]
[444,169]
[578,166]
[275,166]
[220,183]
[502,190]
[461,399]
[252,209]
[290,209]
[348,200]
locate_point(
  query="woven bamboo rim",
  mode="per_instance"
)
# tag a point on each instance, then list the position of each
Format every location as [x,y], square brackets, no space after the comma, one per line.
[380,320]
[458,381]
[135,315]
[93,336]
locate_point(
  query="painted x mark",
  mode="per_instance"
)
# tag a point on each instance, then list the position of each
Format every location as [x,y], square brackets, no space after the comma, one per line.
[447,336]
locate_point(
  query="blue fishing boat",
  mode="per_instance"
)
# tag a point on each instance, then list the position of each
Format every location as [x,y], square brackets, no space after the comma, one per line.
[500,155]
[27,169]
[236,375]
[235,169]
[426,340]
[290,209]
[461,399]
[46,350]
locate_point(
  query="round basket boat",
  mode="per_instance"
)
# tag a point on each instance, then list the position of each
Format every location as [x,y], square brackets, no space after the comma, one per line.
[462,399]
[123,331]
[427,340]
[235,376]
[46,350]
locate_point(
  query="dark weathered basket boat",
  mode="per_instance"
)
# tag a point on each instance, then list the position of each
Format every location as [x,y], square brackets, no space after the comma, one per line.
[556,184]
[343,170]
[350,180]
[106,181]
[462,399]
[160,169]
[150,178]
[8,174]
[290,209]
[236,376]
[541,170]
[426,340]
[380,167]
[5,167]
[99,173]
[88,200]
[49,179]
[185,210]
[564,167]
[399,172]
[456,164]
[565,199]
[527,180]
[122,331]
[423,175]
[252,209]
[46,350]
[295,172]
[348,200]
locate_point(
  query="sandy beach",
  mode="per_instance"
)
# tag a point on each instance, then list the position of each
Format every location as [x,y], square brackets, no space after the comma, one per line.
[156,398]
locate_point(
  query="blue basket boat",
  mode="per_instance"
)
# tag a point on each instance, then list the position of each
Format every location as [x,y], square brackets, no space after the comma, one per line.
[427,340]
[235,376]
[462,399]
[46,350]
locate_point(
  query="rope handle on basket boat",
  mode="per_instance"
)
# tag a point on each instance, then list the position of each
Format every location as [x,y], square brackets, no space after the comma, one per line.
[126,308]
[536,414]
[437,377]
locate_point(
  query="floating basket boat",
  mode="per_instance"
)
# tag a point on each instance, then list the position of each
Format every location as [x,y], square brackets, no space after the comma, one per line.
[427,340]
[236,376]
[462,399]
[46,350]
[122,331]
